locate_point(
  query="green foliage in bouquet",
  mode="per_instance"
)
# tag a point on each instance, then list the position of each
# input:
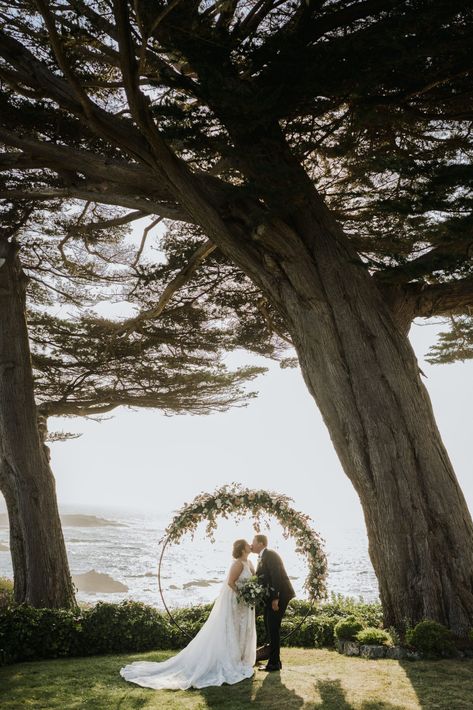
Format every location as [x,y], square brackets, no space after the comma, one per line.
[251,592]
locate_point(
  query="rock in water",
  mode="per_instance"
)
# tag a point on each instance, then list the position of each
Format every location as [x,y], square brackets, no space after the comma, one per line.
[88,521]
[97,582]
[77,520]
[200,583]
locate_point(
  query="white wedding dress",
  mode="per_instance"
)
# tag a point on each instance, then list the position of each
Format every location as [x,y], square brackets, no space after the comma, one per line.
[224,650]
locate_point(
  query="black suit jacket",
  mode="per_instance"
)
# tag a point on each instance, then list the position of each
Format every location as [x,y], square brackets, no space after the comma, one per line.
[271,573]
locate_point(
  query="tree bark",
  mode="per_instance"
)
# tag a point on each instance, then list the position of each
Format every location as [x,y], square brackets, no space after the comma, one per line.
[40,565]
[364,376]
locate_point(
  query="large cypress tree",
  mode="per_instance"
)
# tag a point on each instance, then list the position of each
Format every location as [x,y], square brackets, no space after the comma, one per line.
[325,149]
[82,366]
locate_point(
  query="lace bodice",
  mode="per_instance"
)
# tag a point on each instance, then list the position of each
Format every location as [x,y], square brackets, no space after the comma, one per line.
[246,573]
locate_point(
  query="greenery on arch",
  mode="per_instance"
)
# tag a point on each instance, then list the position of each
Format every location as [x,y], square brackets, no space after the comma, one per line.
[235,500]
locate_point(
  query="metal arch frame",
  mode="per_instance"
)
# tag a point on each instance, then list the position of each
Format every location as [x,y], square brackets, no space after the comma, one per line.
[186,633]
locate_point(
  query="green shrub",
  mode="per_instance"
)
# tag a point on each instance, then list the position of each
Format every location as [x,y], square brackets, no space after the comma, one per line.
[395,635]
[260,630]
[372,635]
[27,633]
[347,629]
[128,626]
[6,592]
[470,635]
[324,631]
[6,584]
[189,614]
[371,614]
[315,631]
[431,639]
[331,612]
[299,607]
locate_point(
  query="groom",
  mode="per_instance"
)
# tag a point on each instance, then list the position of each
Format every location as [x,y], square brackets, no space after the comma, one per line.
[271,574]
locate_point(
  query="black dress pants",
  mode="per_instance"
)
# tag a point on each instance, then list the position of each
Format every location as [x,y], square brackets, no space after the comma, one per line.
[272,622]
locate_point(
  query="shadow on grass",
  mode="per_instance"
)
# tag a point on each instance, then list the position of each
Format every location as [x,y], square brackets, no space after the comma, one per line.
[272,693]
[319,682]
[443,684]
[333,697]
[273,690]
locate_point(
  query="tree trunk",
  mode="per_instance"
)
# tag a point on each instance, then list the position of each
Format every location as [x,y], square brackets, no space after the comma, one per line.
[365,379]
[40,566]
[364,376]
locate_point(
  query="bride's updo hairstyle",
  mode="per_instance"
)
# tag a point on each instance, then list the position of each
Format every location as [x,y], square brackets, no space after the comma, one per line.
[238,548]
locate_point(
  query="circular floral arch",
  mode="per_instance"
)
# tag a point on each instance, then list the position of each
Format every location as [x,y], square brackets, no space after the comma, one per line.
[237,501]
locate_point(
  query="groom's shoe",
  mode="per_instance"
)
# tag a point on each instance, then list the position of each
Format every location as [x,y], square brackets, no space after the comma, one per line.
[270,669]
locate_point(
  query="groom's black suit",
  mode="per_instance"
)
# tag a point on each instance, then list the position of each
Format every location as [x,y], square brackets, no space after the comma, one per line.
[271,574]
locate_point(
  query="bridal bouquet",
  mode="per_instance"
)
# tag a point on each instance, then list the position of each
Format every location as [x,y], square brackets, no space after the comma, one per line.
[251,592]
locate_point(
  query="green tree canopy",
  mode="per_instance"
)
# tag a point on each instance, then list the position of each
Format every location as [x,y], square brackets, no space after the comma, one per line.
[85,364]
[374,98]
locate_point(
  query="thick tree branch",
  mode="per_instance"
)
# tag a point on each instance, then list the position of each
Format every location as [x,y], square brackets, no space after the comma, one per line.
[437,258]
[107,224]
[98,196]
[54,156]
[36,75]
[179,402]
[443,299]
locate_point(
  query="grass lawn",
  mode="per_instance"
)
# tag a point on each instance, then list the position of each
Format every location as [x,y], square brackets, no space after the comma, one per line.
[310,679]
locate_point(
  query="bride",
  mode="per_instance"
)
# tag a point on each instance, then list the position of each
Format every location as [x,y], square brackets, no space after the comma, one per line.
[224,650]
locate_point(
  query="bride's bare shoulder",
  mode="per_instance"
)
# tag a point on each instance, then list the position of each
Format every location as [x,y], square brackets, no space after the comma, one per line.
[235,571]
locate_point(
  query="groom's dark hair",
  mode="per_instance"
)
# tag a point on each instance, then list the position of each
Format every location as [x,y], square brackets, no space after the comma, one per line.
[262,539]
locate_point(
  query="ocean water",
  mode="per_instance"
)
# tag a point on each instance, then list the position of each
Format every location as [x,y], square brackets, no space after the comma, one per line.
[128,550]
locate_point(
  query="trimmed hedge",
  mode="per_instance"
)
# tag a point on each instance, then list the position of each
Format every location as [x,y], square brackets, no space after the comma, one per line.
[29,634]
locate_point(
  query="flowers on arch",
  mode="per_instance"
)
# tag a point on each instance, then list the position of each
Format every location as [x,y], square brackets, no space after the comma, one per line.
[235,500]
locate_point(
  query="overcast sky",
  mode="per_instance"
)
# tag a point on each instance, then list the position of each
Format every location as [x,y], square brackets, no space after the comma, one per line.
[145,460]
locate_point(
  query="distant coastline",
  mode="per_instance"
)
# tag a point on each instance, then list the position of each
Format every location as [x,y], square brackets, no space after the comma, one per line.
[78,520]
